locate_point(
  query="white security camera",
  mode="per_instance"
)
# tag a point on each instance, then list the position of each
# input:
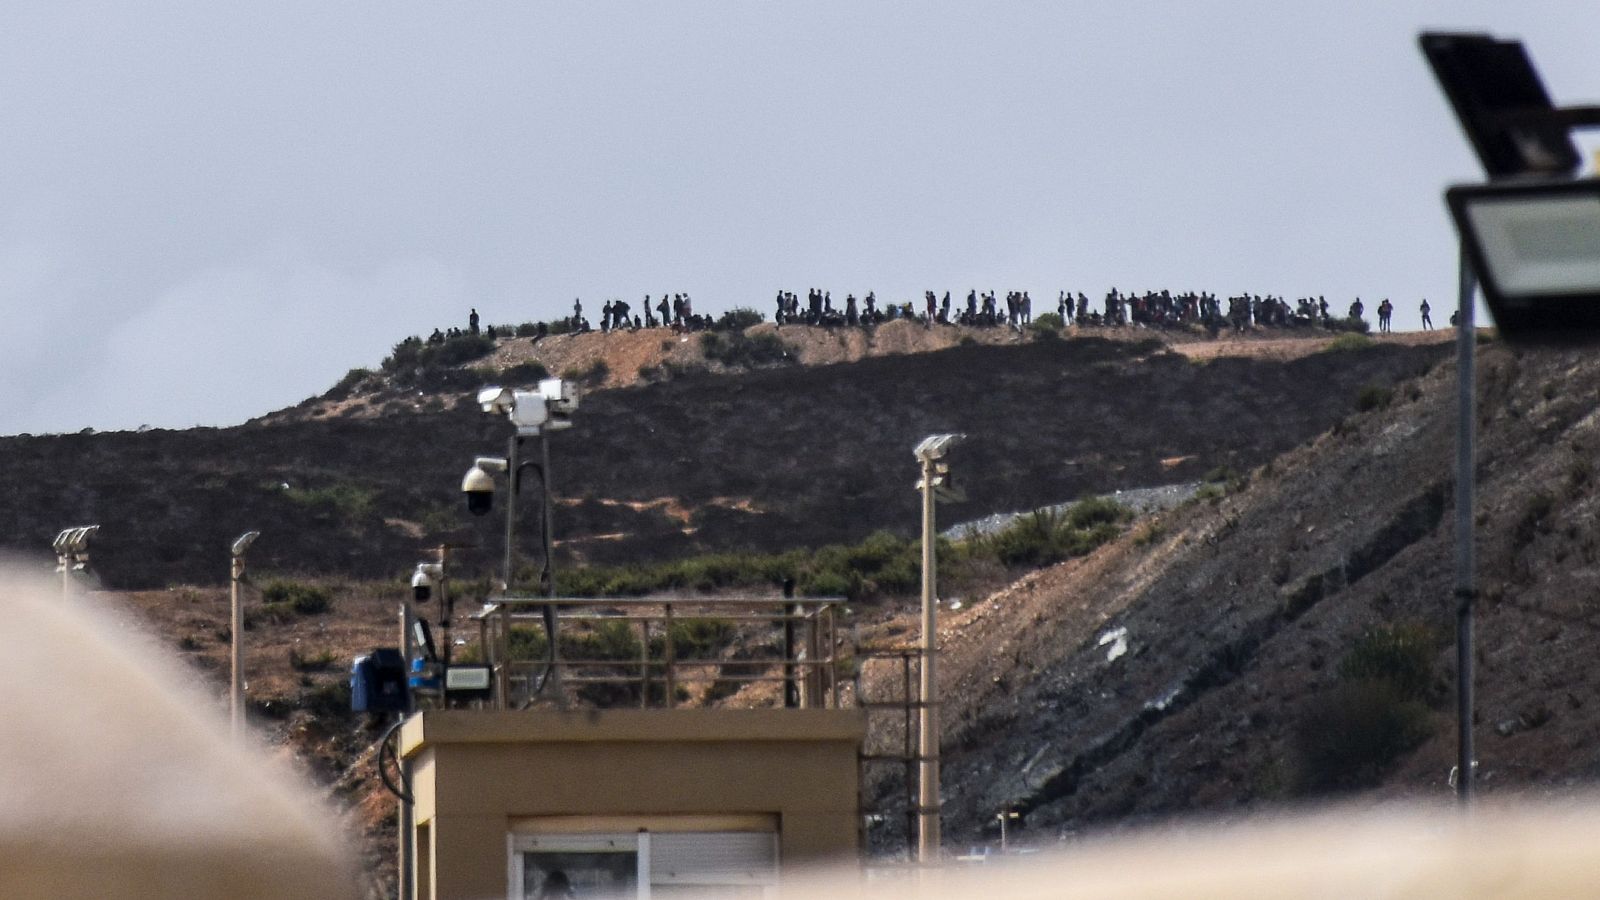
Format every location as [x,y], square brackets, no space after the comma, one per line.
[529,412]
[561,399]
[496,399]
[422,580]
[478,484]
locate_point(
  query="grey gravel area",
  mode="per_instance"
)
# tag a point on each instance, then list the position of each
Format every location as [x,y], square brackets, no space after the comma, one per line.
[1142,501]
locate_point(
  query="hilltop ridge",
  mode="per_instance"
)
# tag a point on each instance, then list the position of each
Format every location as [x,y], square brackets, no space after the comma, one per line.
[766,458]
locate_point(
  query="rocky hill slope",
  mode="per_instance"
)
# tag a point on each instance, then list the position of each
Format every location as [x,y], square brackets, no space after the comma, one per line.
[768,459]
[1293,636]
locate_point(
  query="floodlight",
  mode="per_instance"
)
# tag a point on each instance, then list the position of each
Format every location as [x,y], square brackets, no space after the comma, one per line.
[496,399]
[243,542]
[936,446]
[1502,105]
[1535,248]
[74,541]
[473,680]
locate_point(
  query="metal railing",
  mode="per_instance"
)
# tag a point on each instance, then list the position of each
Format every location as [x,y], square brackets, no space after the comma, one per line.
[640,651]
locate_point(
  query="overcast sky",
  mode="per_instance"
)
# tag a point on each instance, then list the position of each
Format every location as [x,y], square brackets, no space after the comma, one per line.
[212,210]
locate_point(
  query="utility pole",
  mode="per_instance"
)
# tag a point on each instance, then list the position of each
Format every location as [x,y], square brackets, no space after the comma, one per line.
[1466,591]
[934,485]
[236,634]
[928,723]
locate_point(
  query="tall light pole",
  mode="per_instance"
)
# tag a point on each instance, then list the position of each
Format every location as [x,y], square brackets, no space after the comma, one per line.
[236,633]
[935,485]
[535,414]
[1528,240]
[72,554]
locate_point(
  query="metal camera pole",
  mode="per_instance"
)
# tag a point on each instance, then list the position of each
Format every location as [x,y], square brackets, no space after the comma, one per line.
[512,480]
[928,722]
[1465,591]
[236,633]
[236,649]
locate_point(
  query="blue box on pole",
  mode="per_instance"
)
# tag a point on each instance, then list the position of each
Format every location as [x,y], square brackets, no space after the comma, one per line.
[378,682]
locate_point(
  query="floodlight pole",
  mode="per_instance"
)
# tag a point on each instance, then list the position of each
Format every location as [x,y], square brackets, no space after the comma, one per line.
[1465,590]
[64,563]
[236,648]
[928,837]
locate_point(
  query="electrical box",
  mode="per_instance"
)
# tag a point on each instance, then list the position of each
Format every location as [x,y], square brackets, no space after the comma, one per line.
[378,682]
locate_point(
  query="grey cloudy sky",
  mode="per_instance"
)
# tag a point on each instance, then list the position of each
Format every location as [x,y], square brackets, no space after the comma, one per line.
[212,210]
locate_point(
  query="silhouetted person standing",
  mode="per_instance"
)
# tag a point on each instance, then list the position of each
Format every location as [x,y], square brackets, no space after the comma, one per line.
[472,321]
[1427,320]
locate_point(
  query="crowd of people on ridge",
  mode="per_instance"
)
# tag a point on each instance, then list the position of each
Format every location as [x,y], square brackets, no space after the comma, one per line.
[1152,309]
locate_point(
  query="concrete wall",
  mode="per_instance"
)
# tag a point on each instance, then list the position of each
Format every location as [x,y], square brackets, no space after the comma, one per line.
[474,772]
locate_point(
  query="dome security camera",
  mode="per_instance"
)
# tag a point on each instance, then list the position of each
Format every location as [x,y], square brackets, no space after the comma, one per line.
[478,485]
[422,585]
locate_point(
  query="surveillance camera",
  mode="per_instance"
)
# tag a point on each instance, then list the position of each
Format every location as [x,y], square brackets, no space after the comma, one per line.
[422,585]
[495,400]
[478,485]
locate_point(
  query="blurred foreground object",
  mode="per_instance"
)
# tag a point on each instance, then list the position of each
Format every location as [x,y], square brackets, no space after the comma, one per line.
[1502,851]
[118,782]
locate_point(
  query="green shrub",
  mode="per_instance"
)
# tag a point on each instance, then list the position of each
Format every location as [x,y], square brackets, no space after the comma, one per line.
[304,599]
[594,375]
[735,348]
[1399,655]
[527,329]
[524,374]
[1355,340]
[1096,511]
[413,360]
[352,502]
[1048,322]
[826,583]
[739,318]
[347,385]
[1045,536]
[1348,736]
[329,700]
[697,638]
[310,662]
[1373,396]
[268,614]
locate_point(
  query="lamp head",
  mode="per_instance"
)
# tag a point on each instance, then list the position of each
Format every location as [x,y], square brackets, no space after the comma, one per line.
[934,447]
[243,542]
[1535,248]
[496,400]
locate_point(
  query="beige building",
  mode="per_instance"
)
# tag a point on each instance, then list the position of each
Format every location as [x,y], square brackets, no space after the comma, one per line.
[629,802]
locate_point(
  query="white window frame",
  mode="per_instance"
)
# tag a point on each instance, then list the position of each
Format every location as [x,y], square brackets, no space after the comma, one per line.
[637,842]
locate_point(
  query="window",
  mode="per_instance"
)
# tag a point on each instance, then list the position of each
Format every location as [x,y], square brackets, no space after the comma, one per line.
[645,863]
